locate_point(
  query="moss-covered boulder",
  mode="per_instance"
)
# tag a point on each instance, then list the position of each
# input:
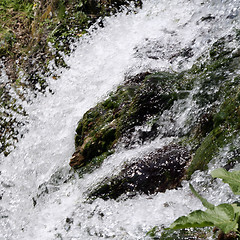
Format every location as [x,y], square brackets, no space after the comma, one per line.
[226,128]
[211,125]
[218,102]
[134,103]
[155,172]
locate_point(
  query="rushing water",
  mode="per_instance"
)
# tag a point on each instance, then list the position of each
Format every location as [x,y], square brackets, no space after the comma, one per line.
[41,198]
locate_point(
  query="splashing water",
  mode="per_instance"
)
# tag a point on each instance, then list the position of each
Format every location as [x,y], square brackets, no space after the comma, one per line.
[40,197]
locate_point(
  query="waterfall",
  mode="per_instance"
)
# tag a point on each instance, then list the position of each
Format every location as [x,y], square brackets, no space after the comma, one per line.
[40,196]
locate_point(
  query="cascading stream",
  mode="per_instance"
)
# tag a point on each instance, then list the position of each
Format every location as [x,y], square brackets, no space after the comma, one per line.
[41,198]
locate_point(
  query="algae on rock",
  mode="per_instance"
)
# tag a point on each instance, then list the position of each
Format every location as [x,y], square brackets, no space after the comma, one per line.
[218,97]
[214,123]
[116,118]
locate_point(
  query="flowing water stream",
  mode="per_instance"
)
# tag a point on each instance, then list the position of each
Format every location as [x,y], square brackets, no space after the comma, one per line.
[40,196]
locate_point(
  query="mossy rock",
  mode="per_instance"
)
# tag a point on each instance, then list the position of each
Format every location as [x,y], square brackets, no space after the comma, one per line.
[191,233]
[218,96]
[143,98]
[226,127]
[131,105]
[157,93]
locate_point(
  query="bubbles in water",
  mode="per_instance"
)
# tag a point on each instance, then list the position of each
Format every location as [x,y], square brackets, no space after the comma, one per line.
[40,197]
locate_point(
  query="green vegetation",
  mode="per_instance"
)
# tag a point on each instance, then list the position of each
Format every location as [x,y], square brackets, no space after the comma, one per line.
[33,34]
[232,178]
[14,8]
[28,26]
[131,105]
[143,99]
[224,216]
[15,15]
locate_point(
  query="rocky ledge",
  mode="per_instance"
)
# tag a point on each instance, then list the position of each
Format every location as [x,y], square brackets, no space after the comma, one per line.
[136,111]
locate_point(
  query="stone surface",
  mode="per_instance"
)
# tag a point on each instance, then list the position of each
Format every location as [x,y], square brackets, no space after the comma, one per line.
[131,105]
[141,101]
[155,172]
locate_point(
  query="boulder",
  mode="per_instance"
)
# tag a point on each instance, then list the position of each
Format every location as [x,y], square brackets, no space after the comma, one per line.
[157,171]
[133,113]
[131,105]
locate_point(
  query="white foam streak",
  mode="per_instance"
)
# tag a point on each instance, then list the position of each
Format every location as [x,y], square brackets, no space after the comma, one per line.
[98,65]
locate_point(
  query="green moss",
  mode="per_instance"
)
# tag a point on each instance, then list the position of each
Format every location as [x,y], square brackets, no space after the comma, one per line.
[95,162]
[219,49]
[155,94]
[97,122]
[131,105]
[209,148]
[143,100]
[28,28]
[111,103]
[218,100]
[226,123]
[99,143]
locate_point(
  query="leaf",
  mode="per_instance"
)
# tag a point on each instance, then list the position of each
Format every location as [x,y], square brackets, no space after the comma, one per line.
[236,207]
[204,201]
[232,178]
[194,219]
[223,216]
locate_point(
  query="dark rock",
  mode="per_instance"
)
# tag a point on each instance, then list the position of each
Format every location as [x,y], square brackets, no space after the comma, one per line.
[134,103]
[42,32]
[67,225]
[204,124]
[233,14]
[182,234]
[34,202]
[155,172]
[134,113]
[138,79]
[7,184]
[229,236]
[105,7]
[76,160]
[208,18]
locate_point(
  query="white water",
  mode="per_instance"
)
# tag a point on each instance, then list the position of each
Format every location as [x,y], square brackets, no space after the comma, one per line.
[101,61]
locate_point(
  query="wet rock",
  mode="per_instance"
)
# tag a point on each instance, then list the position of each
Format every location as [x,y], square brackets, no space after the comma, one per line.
[104,7]
[204,124]
[61,176]
[8,184]
[134,103]
[77,160]
[156,49]
[218,99]
[208,18]
[133,113]
[229,236]
[186,234]
[155,172]
[34,202]
[68,223]
[40,33]
[233,14]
